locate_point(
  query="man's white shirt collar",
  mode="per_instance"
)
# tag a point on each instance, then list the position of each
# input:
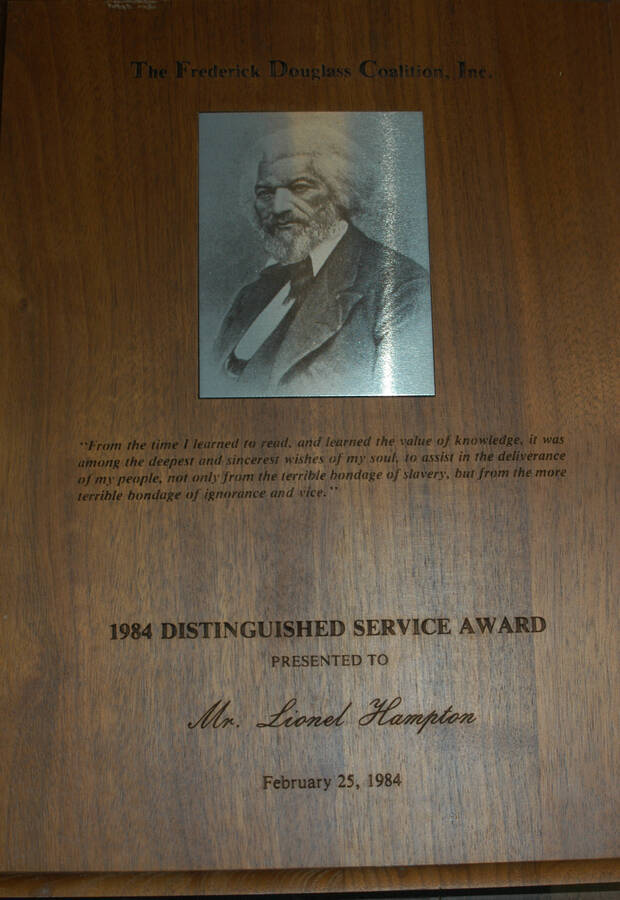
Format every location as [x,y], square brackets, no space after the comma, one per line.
[319,255]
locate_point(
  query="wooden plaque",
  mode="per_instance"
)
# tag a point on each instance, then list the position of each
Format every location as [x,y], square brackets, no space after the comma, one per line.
[307,622]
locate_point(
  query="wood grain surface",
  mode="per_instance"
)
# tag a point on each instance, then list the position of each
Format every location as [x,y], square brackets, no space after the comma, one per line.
[99,772]
[575,873]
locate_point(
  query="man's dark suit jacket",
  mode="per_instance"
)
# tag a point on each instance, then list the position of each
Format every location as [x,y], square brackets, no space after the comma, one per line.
[362,327]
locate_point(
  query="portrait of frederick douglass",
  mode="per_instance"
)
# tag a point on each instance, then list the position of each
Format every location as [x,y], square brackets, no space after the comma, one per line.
[330,304]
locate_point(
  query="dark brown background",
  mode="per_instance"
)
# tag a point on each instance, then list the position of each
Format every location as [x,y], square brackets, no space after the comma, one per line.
[99,174]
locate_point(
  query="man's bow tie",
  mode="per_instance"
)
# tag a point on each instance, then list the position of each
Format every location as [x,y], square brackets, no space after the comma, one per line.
[299,274]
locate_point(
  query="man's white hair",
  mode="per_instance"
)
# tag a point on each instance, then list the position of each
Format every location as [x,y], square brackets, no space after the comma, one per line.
[334,158]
